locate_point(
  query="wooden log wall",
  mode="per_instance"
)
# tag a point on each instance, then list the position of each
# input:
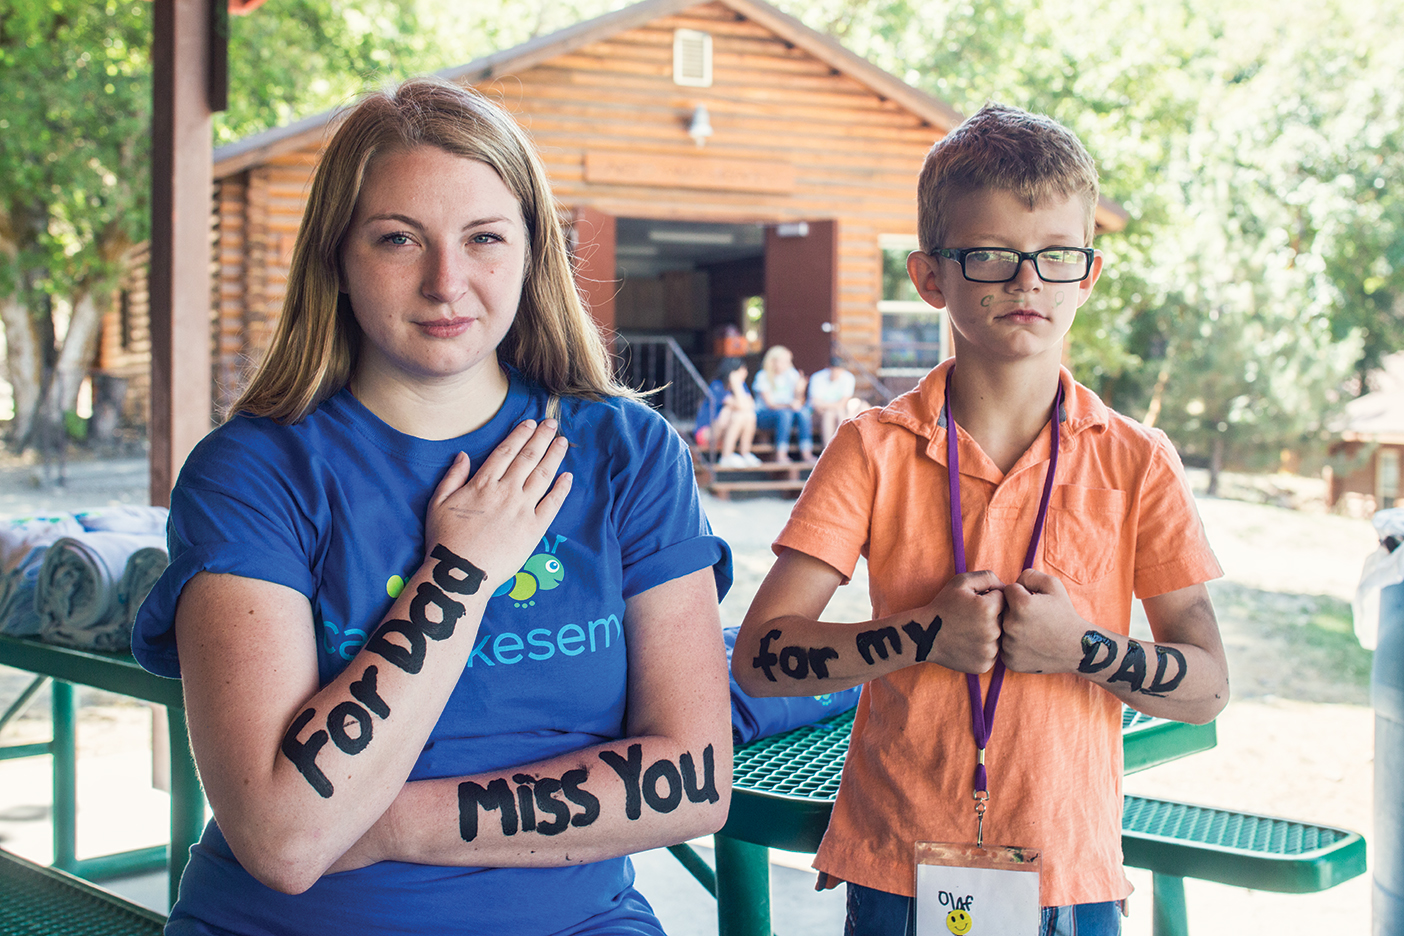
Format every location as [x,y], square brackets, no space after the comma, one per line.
[124,347]
[850,154]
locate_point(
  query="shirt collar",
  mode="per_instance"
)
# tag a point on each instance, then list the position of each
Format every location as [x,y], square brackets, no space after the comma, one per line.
[920,410]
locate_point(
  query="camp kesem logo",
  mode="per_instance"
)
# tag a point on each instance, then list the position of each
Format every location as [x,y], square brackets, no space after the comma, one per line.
[542,572]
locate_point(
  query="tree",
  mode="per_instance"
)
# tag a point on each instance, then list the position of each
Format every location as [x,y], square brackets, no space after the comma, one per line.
[1289,243]
[73,150]
[75,155]
[75,141]
[1258,149]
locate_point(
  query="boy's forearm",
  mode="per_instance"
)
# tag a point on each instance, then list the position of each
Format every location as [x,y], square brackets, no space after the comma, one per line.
[1180,681]
[797,656]
[783,649]
[1181,675]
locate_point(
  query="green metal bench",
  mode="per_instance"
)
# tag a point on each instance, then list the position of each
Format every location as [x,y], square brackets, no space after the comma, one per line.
[121,674]
[1179,840]
[783,790]
[39,901]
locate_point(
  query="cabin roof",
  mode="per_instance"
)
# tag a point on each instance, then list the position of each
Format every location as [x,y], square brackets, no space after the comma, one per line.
[1378,416]
[310,131]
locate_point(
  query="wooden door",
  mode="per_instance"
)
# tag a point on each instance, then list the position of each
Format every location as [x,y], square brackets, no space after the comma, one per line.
[801,289]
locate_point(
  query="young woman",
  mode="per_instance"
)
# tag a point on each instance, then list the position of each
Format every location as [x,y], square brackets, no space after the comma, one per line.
[728,418]
[441,593]
[780,403]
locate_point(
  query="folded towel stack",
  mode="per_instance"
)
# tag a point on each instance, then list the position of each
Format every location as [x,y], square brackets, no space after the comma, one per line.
[87,586]
[82,578]
[23,544]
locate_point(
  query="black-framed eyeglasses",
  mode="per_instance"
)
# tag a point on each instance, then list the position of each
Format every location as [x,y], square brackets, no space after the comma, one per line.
[998,265]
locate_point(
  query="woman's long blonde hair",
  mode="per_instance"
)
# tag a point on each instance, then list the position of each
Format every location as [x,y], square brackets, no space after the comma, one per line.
[773,354]
[553,340]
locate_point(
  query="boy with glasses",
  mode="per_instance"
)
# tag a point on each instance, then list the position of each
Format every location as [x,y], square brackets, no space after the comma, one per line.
[1008,518]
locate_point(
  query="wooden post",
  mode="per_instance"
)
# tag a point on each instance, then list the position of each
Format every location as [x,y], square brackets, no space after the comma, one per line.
[181,168]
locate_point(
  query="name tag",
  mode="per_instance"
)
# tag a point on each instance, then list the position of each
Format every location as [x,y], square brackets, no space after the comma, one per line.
[965,890]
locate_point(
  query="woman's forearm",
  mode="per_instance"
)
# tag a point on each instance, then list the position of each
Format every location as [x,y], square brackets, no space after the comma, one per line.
[336,760]
[667,781]
[600,802]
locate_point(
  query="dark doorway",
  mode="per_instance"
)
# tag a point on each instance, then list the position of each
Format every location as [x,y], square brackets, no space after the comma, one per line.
[686,280]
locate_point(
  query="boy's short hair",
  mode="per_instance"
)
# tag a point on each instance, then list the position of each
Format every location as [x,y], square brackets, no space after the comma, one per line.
[1005,148]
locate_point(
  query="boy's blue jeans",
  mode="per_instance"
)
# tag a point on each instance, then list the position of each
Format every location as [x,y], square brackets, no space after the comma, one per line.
[877,913]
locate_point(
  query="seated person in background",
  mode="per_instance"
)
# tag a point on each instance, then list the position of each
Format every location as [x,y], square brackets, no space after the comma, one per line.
[780,403]
[831,397]
[728,419]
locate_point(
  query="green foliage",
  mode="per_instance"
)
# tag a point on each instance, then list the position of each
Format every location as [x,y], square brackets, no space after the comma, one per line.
[1259,149]
[74,139]
[299,57]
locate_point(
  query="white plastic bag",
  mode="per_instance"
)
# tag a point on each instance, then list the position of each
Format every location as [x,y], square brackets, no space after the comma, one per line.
[1383,567]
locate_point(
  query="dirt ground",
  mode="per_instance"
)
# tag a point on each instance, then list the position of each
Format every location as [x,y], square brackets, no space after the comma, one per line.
[1296,739]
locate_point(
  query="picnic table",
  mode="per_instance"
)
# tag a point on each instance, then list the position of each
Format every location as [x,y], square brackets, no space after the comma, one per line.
[783,790]
[121,674]
[782,793]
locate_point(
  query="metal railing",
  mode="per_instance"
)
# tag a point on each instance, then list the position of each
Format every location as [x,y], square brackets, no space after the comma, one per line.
[658,366]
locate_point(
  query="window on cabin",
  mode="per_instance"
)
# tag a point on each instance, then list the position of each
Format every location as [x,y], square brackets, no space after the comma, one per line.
[1386,477]
[913,333]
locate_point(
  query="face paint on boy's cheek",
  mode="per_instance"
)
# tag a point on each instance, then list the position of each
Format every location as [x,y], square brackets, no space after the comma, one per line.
[987,301]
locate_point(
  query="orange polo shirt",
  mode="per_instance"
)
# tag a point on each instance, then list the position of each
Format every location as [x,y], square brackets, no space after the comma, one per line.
[1121,521]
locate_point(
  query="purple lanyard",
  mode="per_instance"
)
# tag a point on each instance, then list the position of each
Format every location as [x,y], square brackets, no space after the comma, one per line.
[982,716]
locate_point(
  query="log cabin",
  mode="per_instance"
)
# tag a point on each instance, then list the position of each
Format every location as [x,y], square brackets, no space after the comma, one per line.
[719,164]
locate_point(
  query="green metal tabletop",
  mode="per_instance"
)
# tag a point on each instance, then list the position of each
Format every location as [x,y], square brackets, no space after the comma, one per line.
[39,901]
[783,787]
[113,672]
[121,674]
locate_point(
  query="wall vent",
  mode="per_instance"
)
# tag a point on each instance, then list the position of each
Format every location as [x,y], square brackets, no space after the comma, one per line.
[692,58]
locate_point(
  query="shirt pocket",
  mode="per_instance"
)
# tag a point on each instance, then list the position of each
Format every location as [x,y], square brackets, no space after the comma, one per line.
[1083,532]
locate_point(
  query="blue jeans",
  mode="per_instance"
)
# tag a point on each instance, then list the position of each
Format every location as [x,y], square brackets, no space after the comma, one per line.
[873,912]
[780,421]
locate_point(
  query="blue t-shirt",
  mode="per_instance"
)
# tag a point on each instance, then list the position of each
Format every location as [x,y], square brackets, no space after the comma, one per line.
[334,507]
